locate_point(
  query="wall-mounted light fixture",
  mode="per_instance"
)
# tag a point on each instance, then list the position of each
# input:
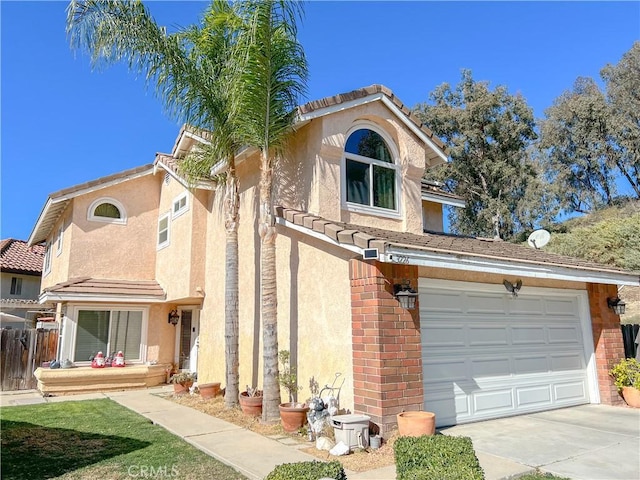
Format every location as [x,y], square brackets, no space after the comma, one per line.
[617,305]
[174,318]
[405,295]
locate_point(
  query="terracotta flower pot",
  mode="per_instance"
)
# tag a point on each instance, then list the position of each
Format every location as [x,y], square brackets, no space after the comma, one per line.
[209,390]
[181,388]
[631,396]
[416,424]
[250,405]
[293,416]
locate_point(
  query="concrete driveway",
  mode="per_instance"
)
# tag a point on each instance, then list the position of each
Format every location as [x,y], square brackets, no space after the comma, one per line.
[588,442]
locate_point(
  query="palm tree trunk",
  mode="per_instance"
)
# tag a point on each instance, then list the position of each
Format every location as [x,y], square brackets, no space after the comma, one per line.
[231,329]
[269,296]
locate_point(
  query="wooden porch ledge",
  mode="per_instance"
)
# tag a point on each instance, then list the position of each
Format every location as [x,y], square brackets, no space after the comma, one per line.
[68,381]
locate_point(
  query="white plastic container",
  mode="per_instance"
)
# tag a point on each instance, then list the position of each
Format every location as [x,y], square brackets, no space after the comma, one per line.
[352,430]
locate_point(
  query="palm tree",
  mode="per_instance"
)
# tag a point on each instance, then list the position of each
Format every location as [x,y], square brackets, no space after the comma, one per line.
[192,74]
[272,77]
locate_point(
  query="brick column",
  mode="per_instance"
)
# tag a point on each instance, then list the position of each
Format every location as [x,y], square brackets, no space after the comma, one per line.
[607,339]
[387,356]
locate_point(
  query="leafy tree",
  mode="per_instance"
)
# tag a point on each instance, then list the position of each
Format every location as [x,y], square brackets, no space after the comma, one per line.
[272,77]
[576,135]
[192,70]
[623,87]
[488,133]
[591,138]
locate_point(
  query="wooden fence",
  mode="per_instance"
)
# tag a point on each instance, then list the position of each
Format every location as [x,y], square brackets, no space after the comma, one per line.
[21,352]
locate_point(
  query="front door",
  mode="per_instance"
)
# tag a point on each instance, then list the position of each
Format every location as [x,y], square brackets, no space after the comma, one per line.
[187,340]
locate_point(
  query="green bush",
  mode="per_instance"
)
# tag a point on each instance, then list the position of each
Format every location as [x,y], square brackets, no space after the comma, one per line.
[438,456]
[307,471]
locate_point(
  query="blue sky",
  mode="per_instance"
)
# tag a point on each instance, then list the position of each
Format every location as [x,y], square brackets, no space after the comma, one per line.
[64,124]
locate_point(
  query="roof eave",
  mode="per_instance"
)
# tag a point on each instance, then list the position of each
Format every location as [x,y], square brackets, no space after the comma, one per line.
[46,297]
[458,261]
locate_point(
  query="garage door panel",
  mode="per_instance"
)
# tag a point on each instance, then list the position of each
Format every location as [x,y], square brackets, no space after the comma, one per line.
[531,364]
[493,402]
[487,354]
[568,334]
[441,302]
[561,307]
[483,304]
[534,396]
[443,335]
[570,391]
[446,371]
[523,306]
[568,361]
[487,336]
[490,367]
[528,335]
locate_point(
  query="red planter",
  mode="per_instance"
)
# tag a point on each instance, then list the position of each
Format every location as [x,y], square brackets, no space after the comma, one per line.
[631,396]
[250,405]
[416,424]
[181,389]
[209,390]
[293,416]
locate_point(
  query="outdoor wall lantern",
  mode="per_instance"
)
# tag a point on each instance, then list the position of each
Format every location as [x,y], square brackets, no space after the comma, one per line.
[174,318]
[405,295]
[617,305]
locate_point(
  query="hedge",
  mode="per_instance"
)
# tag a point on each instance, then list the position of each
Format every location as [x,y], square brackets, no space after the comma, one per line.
[308,471]
[437,456]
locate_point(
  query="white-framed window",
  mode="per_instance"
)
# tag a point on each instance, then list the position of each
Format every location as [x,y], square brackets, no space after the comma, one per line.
[108,210]
[16,286]
[163,231]
[371,175]
[46,263]
[59,240]
[180,205]
[108,330]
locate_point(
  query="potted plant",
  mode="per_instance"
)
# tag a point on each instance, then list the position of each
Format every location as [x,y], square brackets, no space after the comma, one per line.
[626,374]
[251,401]
[209,390]
[292,414]
[182,382]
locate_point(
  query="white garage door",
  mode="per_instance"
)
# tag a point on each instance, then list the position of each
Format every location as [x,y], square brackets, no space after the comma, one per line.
[487,354]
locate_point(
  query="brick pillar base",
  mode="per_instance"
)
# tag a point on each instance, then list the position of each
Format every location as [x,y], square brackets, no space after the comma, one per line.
[387,357]
[607,339]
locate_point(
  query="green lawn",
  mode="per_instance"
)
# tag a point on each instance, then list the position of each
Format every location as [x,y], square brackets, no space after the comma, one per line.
[541,476]
[96,439]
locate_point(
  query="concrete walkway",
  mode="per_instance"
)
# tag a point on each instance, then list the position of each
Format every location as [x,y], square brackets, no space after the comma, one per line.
[588,442]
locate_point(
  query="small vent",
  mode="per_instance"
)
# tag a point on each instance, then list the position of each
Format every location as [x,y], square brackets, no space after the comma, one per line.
[167,178]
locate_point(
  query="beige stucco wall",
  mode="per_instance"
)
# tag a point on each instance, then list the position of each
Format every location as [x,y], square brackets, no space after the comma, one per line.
[59,271]
[30,287]
[106,250]
[315,165]
[179,266]
[314,301]
[432,216]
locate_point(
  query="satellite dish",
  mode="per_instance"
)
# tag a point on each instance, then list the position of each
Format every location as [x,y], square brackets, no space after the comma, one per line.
[538,238]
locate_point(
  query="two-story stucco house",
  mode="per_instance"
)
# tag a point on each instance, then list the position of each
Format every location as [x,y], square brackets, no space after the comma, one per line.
[354,221]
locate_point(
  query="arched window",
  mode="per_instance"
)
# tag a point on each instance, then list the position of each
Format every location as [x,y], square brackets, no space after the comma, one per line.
[370,171]
[107,210]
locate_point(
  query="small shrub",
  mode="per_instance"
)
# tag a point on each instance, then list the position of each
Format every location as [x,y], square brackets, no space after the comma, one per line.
[308,471]
[438,456]
[626,373]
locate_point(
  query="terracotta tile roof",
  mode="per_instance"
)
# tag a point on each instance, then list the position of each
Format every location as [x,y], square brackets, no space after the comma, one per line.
[125,289]
[17,257]
[365,92]
[456,246]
